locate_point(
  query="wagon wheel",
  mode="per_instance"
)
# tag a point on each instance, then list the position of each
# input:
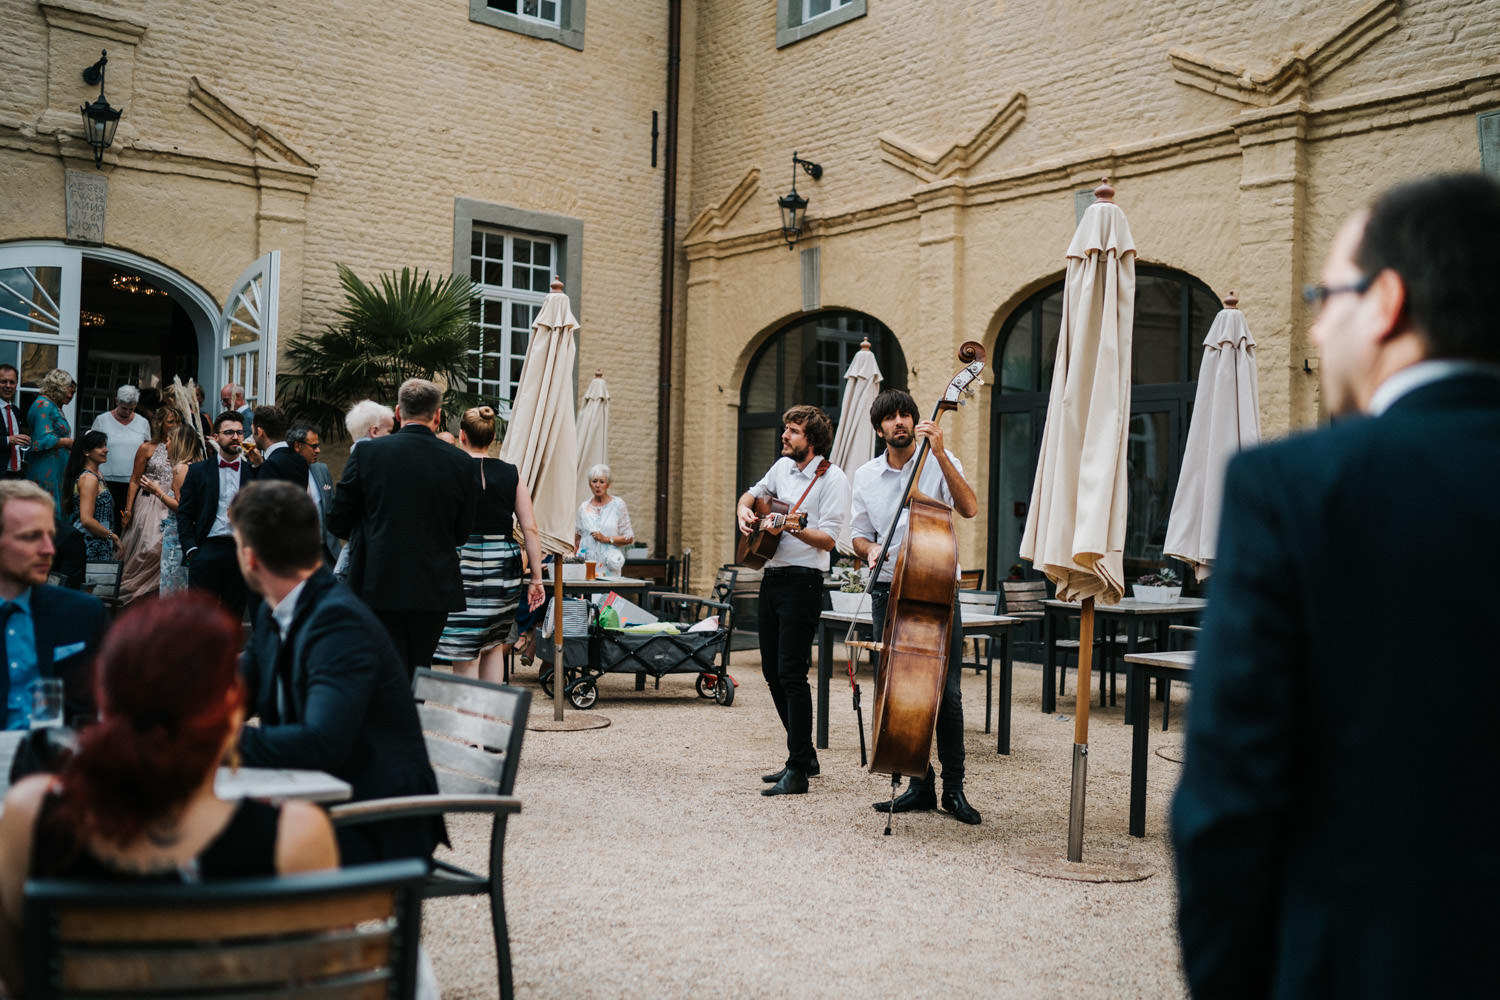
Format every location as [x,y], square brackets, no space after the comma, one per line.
[707,685]
[724,690]
[583,694]
[544,676]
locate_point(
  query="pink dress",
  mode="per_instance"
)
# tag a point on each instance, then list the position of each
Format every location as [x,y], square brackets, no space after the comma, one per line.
[141,576]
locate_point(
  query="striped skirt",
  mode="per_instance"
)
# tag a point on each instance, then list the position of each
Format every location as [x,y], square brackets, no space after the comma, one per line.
[491,568]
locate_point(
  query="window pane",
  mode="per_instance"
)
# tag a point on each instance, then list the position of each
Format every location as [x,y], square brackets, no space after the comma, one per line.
[28,299]
[1152,457]
[1013,491]
[1052,306]
[1015,358]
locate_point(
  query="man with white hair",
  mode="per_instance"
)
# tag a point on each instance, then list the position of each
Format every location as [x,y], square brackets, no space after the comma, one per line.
[126,430]
[232,397]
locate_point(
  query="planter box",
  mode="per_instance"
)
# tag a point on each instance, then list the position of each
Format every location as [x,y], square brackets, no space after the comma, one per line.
[849,603]
[1155,595]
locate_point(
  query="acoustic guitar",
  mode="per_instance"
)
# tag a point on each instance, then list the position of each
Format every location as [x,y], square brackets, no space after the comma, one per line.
[757,548]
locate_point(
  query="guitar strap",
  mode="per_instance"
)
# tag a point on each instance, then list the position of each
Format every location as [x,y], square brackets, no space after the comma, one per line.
[822,468]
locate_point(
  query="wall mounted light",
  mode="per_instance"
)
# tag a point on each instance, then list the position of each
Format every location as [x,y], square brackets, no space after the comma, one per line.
[99,119]
[793,205]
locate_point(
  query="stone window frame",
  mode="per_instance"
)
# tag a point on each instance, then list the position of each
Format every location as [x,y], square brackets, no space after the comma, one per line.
[791,28]
[568,31]
[565,233]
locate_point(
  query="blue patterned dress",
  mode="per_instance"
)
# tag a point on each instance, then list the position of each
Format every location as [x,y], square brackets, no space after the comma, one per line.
[47,460]
[95,549]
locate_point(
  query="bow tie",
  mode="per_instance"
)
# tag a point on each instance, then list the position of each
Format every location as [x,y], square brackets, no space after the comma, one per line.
[229,465]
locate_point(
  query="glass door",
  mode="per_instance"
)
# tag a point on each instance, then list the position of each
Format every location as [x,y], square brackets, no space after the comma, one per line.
[247,331]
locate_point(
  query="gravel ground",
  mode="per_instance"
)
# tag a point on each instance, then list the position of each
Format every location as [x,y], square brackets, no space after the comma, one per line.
[645,863]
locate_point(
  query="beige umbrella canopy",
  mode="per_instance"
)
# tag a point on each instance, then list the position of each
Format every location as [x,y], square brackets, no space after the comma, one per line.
[1075,525]
[1226,418]
[593,433]
[542,439]
[854,442]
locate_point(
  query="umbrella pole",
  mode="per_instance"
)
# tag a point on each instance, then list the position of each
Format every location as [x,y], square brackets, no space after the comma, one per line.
[558,673]
[1083,695]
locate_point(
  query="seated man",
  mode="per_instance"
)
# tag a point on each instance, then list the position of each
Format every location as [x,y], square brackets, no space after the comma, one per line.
[323,676]
[45,631]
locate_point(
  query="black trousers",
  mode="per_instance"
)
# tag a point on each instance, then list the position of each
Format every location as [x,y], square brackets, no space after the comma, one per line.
[415,633]
[791,601]
[216,569]
[950,720]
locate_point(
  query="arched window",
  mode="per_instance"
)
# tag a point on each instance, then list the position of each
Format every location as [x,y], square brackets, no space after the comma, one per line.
[1173,311]
[805,362]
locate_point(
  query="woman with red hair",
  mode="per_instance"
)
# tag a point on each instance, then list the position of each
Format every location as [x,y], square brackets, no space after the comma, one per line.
[136,801]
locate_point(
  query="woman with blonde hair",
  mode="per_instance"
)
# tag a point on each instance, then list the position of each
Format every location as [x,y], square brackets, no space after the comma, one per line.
[150,495]
[51,437]
[490,560]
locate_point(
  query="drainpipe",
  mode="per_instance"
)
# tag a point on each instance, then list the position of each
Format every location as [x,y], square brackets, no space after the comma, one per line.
[668,276]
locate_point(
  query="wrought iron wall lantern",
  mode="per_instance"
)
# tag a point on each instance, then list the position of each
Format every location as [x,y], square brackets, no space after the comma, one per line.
[99,119]
[793,205]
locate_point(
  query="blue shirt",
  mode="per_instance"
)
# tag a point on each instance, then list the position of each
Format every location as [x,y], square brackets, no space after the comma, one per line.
[20,651]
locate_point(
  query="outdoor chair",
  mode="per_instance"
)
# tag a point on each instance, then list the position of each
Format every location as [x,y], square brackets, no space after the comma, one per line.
[985,602]
[473,731]
[351,932]
[1023,599]
[102,579]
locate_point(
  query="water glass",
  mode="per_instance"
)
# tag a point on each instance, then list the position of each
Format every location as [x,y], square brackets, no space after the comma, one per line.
[46,702]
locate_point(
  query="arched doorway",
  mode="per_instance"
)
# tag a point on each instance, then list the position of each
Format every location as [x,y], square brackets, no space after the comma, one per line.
[1173,311]
[110,317]
[805,362]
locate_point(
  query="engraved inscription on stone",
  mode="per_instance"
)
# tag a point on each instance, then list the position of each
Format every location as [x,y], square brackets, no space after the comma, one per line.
[88,193]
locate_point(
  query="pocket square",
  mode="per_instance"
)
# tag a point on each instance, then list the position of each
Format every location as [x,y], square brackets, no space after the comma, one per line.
[63,652]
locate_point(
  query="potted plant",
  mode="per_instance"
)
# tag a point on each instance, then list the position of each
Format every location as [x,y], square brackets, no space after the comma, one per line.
[849,594]
[1160,587]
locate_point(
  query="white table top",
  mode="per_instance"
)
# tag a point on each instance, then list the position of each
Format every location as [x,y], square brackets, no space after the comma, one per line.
[1135,606]
[279,784]
[1166,658]
[970,618]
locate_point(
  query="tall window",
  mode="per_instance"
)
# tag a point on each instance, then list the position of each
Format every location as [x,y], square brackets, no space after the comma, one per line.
[1173,311]
[805,363]
[513,272]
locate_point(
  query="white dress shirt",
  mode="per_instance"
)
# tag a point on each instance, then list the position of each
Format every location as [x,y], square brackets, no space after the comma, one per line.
[229,485]
[10,419]
[827,508]
[877,493]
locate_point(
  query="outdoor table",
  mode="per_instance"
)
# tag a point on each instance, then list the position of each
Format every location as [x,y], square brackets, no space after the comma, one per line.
[1132,610]
[625,586]
[1173,666]
[835,624]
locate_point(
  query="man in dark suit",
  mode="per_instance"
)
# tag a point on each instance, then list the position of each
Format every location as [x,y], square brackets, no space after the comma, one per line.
[278,460]
[412,498]
[324,678]
[306,442]
[1332,826]
[45,631]
[14,440]
[203,515]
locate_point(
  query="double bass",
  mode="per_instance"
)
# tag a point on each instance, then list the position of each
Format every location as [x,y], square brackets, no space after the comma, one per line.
[915,643]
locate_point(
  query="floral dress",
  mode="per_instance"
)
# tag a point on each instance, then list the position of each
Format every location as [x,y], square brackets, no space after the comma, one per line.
[95,549]
[47,460]
[174,574]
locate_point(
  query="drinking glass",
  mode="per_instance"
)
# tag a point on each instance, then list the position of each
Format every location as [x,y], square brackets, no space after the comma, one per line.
[46,702]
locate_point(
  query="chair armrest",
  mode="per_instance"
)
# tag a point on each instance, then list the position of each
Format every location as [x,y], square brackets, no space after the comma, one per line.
[402,807]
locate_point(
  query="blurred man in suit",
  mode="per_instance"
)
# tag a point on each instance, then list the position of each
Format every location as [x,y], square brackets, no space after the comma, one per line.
[1327,827]
[203,515]
[45,631]
[13,437]
[308,443]
[412,498]
[323,677]
[277,459]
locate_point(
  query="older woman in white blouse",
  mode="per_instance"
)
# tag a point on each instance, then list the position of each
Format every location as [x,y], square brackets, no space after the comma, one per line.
[602,527]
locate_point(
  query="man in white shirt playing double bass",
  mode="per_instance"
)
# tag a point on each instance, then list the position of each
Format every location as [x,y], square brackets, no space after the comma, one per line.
[879,486]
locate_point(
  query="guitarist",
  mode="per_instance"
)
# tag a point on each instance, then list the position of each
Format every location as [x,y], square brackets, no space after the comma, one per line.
[878,487]
[791,589]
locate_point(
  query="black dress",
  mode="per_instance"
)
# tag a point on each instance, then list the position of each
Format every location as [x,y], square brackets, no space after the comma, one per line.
[490,562]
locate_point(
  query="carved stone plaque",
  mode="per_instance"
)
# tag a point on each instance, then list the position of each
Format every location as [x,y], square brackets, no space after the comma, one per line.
[88,194]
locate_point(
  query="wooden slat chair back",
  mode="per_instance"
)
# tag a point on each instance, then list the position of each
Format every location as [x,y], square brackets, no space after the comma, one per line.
[970,579]
[102,579]
[1023,599]
[349,933]
[473,730]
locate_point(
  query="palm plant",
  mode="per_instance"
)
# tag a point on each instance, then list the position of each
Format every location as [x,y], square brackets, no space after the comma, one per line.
[408,326]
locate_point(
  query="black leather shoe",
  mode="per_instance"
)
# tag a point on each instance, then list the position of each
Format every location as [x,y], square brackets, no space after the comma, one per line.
[918,798]
[792,782]
[771,779]
[955,805]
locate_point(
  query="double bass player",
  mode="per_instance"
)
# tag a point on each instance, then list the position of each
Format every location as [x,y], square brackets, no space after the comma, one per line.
[791,588]
[878,488]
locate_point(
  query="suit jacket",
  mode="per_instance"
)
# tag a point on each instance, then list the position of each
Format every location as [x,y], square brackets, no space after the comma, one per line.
[68,626]
[349,708]
[412,496]
[322,478]
[199,503]
[286,464]
[1334,809]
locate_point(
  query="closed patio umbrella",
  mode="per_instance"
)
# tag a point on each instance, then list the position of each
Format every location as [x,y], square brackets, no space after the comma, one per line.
[542,443]
[854,441]
[1075,523]
[1226,419]
[593,433]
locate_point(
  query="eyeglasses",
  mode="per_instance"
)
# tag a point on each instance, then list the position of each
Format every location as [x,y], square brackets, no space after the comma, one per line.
[1318,295]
